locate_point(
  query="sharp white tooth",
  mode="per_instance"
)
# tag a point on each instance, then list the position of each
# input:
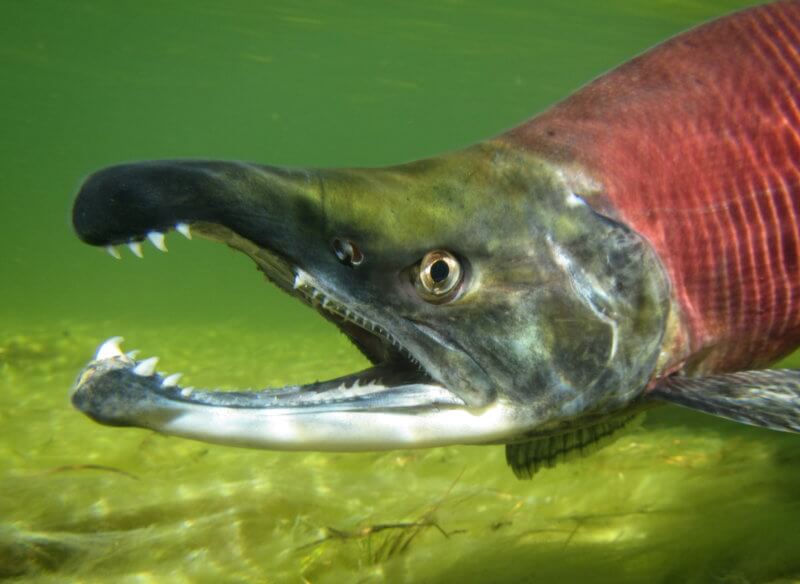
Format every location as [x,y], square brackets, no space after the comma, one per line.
[187,391]
[157,239]
[132,354]
[113,252]
[301,278]
[147,367]
[109,349]
[136,248]
[171,380]
[183,229]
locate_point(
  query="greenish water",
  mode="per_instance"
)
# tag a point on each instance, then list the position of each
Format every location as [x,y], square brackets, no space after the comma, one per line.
[321,83]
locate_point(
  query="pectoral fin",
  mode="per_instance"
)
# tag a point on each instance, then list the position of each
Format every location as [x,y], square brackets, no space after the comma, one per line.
[768,398]
[526,458]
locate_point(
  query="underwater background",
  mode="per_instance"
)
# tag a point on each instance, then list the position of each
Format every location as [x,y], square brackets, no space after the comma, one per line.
[88,83]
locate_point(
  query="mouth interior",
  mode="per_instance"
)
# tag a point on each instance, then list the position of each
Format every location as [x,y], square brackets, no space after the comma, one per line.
[397,380]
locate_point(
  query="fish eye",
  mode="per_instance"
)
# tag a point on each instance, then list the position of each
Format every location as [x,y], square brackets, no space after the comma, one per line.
[347,252]
[439,276]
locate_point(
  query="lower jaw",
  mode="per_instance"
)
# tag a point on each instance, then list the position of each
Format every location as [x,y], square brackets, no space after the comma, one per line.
[115,390]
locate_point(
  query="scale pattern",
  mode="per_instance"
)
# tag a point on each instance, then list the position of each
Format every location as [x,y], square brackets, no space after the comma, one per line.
[696,145]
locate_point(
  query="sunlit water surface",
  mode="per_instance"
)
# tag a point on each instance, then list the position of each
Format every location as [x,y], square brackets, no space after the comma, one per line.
[683,498]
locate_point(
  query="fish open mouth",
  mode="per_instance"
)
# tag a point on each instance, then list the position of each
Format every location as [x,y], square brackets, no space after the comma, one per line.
[400,401]
[117,389]
[396,381]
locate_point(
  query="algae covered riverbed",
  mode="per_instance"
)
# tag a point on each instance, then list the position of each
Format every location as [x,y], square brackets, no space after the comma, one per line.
[682,498]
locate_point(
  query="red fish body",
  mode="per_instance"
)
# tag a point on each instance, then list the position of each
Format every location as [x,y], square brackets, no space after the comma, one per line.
[696,146]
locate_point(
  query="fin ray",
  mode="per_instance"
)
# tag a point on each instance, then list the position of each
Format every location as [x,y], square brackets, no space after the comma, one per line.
[769,398]
[526,458]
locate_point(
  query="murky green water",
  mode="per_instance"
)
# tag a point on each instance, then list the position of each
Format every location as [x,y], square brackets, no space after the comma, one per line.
[318,83]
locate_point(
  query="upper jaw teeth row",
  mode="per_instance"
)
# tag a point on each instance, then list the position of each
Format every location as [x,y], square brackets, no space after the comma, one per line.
[146,368]
[305,284]
[157,238]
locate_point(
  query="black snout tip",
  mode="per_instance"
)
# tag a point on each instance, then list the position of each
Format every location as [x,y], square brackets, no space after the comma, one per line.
[124,202]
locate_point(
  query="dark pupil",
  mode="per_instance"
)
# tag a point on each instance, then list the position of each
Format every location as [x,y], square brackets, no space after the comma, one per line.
[439,271]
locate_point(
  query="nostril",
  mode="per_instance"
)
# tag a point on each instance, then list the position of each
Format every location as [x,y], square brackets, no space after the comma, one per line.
[347,252]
